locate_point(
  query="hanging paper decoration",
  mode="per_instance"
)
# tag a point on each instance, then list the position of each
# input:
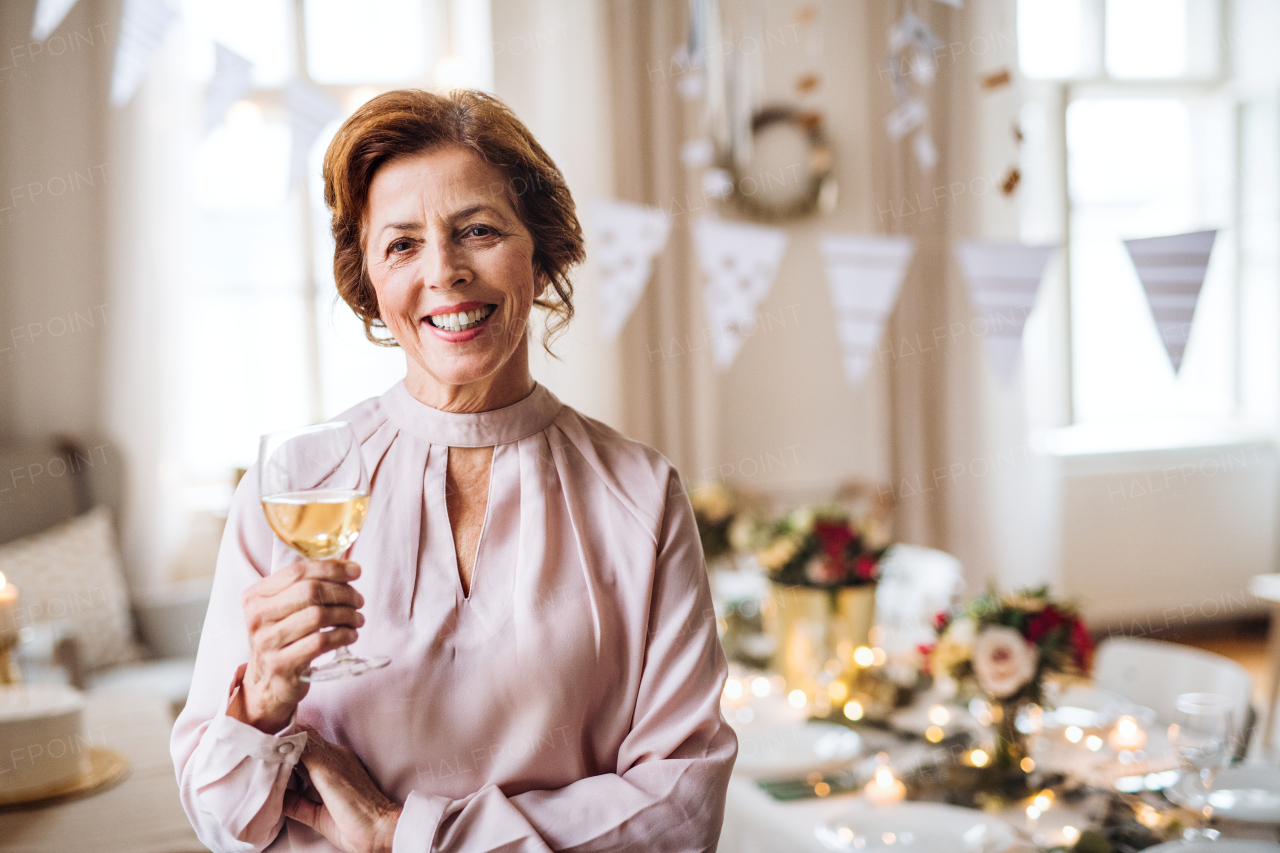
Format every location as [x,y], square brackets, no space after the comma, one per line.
[739,261]
[912,46]
[1172,271]
[232,80]
[865,274]
[49,15]
[142,29]
[625,239]
[1003,280]
[309,111]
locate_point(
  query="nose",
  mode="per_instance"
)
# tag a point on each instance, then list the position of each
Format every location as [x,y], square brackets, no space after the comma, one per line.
[445,266]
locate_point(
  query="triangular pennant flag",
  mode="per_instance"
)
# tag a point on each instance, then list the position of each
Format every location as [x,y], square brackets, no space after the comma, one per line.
[740,261]
[309,111]
[626,237]
[865,274]
[232,80]
[1003,280]
[1172,271]
[49,14]
[142,29]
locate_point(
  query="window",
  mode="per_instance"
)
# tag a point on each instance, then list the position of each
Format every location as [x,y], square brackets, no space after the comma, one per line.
[264,342]
[1135,127]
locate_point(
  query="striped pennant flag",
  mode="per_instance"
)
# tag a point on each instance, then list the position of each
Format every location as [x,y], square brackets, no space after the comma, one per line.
[1172,270]
[309,111]
[865,274]
[49,14]
[232,80]
[142,29]
[1003,281]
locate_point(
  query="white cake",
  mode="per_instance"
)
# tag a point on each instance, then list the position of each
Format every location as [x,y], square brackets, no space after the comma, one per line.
[42,745]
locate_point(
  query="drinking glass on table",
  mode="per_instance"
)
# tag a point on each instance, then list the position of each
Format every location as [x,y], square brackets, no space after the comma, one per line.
[315,493]
[1201,733]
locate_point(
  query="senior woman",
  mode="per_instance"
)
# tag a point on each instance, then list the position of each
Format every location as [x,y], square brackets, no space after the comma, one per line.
[535,577]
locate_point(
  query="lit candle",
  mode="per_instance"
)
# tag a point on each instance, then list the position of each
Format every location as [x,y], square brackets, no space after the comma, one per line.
[1127,734]
[8,604]
[884,789]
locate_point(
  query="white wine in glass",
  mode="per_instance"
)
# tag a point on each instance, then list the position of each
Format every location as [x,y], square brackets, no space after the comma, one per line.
[315,494]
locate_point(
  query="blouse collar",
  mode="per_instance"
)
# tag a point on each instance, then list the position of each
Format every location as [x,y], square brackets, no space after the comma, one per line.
[479,429]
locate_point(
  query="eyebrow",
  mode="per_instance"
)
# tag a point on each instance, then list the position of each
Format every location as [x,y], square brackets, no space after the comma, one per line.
[461,214]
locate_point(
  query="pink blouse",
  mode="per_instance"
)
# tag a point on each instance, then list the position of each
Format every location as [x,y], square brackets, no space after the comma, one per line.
[570,701]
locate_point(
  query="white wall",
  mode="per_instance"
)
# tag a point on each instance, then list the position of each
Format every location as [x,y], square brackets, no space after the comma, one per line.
[1158,539]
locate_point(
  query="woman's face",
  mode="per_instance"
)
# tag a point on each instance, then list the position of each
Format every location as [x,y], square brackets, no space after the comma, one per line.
[452,268]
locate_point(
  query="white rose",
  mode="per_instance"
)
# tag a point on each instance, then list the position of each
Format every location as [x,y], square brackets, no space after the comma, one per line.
[1003,661]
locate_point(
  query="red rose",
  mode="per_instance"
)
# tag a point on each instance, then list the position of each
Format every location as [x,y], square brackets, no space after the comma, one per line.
[866,567]
[835,538]
[1042,624]
[1083,644]
[941,620]
[926,654]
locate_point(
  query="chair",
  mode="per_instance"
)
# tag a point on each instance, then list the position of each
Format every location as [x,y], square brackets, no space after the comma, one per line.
[915,583]
[1154,674]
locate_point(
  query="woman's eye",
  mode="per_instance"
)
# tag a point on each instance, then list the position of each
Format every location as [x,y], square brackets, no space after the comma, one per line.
[480,231]
[400,246]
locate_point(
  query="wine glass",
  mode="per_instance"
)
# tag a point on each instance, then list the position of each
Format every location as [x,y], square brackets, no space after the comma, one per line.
[1201,734]
[315,493]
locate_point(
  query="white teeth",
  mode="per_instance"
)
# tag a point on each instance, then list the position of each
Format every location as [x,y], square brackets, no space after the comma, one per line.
[461,320]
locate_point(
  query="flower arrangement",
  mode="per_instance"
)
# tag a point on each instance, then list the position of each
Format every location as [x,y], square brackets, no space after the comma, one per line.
[715,505]
[821,547]
[1007,644]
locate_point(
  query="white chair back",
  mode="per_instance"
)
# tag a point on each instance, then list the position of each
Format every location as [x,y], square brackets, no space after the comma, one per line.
[1154,674]
[915,583]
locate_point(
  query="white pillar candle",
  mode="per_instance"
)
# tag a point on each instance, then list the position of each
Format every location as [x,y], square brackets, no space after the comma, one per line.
[884,789]
[1128,734]
[8,613]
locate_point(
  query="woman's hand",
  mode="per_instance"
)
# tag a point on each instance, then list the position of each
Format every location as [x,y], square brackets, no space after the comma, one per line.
[355,816]
[285,612]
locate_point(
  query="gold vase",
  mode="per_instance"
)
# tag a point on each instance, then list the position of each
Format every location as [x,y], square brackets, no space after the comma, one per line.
[816,631]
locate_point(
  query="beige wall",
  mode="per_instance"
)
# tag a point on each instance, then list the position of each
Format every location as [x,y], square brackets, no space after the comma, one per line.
[54,173]
[548,62]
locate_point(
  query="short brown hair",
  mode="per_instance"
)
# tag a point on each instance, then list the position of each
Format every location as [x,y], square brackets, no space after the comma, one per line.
[412,121]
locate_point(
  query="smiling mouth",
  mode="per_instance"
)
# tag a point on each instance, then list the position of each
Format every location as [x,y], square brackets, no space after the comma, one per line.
[461,321]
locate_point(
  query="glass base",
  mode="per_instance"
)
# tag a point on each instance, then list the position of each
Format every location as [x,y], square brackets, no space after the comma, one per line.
[342,667]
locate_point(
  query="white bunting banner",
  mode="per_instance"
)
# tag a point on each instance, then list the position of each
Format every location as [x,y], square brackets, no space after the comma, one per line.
[625,239]
[865,274]
[232,80]
[739,261]
[309,111]
[49,15]
[1172,271]
[1003,281]
[142,29]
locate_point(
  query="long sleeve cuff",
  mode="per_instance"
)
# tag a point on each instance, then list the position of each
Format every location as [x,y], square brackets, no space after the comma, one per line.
[240,773]
[419,819]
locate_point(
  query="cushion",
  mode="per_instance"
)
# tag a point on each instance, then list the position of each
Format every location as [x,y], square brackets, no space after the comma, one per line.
[73,571]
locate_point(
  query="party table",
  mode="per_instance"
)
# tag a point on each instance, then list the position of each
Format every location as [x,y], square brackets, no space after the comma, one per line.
[757,823]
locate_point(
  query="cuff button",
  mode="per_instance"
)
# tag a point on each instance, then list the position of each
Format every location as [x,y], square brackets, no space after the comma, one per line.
[284,748]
